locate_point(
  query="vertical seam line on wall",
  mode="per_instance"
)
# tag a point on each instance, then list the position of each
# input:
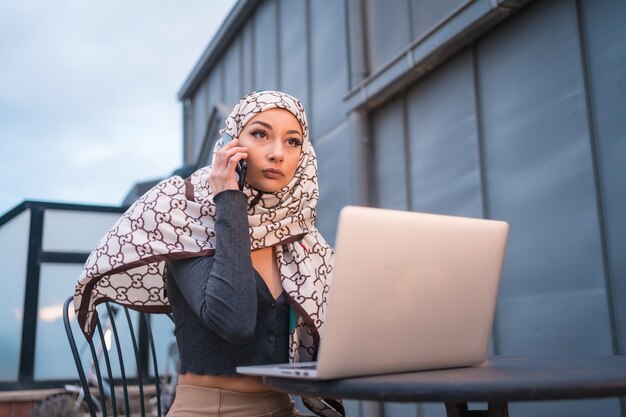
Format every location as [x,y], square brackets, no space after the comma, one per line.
[241,42]
[479,135]
[346,11]
[279,76]
[407,157]
[309,70]
[365,39]
[484,194]
[186,151]
[207,88]
[222,78]
[373,192]
[363,142]
[200,122]
[411,24]
[597,179]
[252,23]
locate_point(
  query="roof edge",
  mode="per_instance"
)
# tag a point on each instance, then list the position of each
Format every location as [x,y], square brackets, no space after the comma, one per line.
[225,34]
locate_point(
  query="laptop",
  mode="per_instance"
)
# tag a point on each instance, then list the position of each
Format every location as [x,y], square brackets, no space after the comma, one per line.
[409,292]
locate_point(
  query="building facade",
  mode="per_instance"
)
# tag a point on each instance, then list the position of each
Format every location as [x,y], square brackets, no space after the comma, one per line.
[504,109]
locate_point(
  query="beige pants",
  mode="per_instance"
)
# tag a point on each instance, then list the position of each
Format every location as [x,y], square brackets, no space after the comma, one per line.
[193,401]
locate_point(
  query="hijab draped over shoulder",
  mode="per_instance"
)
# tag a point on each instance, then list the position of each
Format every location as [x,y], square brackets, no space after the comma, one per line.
[175,219]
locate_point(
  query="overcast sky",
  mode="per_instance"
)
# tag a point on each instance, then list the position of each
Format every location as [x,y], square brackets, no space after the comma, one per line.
[88,92]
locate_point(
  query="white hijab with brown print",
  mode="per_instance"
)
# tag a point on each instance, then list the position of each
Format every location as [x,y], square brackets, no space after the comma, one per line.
[175,219]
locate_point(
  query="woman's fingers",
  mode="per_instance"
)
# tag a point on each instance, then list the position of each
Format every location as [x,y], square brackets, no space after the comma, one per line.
[228,160]
[223,156]
[239,156]
[223,171]
[229,150]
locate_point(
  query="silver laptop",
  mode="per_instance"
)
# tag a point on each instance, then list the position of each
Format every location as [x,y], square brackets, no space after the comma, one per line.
[410,291]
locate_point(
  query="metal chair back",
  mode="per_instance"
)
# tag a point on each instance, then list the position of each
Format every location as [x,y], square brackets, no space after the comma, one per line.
[114,366]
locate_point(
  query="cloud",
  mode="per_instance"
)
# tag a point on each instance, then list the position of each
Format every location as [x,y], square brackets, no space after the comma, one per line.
[88,94]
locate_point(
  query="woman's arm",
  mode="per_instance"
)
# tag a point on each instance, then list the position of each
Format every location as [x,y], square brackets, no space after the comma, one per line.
[221,289]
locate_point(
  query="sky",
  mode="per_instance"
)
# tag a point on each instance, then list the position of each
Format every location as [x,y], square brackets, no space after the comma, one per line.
[88,89]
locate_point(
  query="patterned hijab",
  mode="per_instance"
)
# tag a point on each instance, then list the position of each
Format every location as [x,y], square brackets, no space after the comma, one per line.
[175,219]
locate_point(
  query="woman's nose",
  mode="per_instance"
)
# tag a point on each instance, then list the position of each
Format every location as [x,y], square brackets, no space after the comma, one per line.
[276,151]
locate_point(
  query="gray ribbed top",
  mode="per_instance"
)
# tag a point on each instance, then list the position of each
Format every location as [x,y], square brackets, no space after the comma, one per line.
[224,313]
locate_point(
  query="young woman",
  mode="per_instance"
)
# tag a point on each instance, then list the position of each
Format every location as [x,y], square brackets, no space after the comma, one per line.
[246,270]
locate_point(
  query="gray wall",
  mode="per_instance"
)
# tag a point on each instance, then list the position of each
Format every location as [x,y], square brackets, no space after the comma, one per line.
[526,122]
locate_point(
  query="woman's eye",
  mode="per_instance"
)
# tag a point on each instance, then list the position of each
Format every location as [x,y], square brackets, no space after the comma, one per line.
[296,143]
[261,134]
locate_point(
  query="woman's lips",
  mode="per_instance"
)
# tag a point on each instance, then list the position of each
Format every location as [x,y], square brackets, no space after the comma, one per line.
[273,173]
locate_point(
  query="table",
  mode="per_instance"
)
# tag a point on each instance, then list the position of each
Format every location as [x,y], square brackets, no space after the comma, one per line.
[497,381]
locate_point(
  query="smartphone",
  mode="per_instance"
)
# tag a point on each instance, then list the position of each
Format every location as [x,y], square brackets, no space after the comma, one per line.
[242,166]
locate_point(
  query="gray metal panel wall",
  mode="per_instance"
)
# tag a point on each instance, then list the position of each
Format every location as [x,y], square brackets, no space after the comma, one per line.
[293,49]
[208,94]
[401,409]
[336,178]
[540,178]
[389,177]
[388,30]
[605,47]
[443,142]
[199,115]
[426,13]
[247,69]
[542,117]
[215,89]
[329,64]
[231,74]
[265,47]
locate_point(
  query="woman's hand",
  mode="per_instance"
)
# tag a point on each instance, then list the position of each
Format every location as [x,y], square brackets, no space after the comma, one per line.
[223,176]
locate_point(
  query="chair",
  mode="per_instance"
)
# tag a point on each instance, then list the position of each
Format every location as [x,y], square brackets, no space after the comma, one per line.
[115,373]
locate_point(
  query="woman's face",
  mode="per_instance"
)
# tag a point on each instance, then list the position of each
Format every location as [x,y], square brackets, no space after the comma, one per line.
[274,141]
